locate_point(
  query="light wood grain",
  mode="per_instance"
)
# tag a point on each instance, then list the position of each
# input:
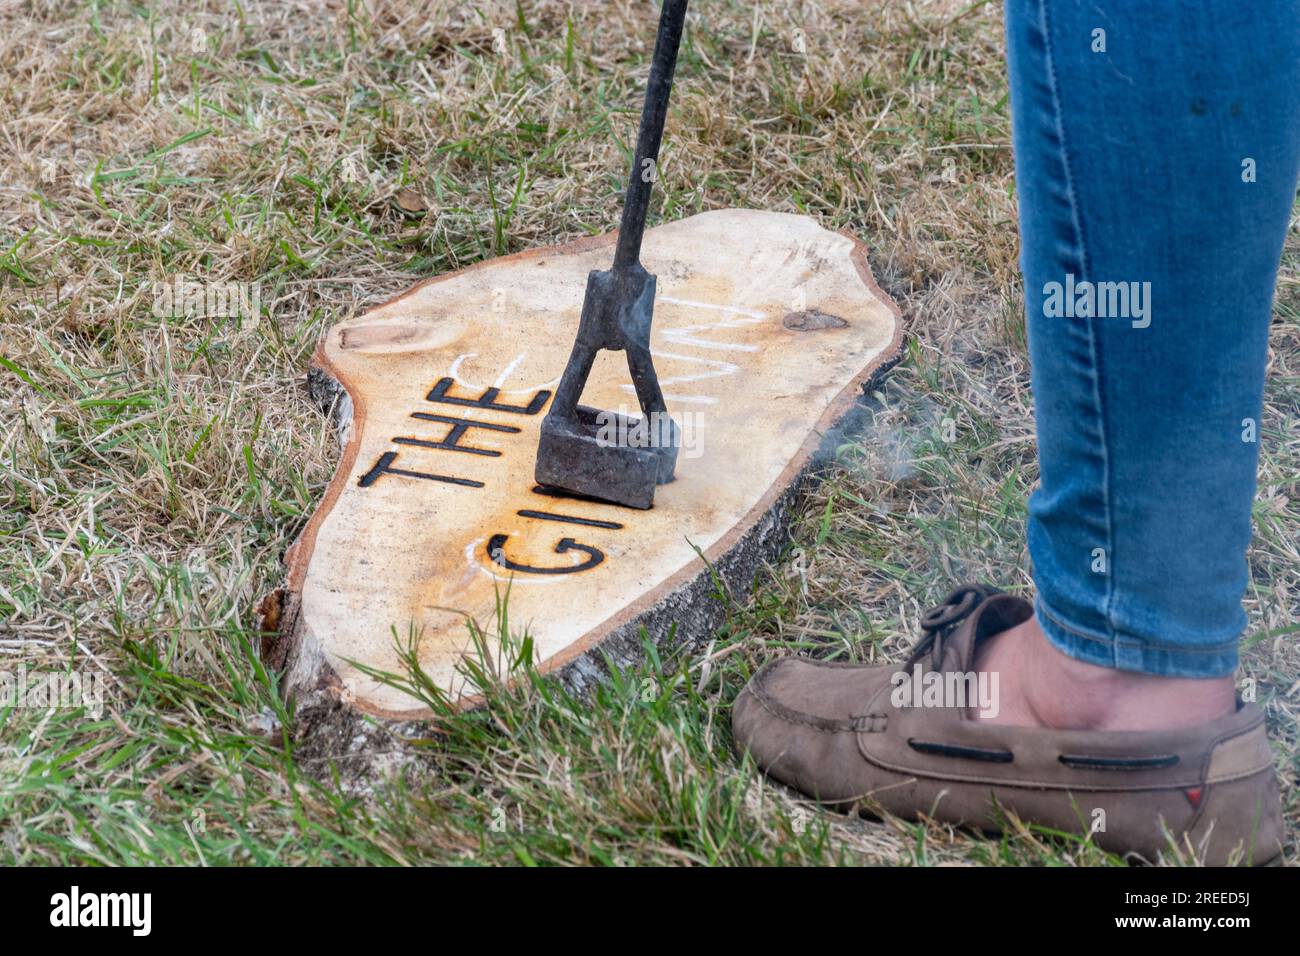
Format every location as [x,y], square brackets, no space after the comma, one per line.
[765,326]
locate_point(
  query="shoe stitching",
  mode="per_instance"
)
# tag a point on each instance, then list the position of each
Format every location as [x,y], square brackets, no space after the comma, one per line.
[1029,784]
[828,725]
[1208,757]
[781,712]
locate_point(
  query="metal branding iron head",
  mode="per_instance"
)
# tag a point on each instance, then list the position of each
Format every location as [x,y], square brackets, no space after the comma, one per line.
[603,454]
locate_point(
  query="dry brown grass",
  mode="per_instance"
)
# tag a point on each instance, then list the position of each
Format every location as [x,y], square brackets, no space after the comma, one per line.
[155,469]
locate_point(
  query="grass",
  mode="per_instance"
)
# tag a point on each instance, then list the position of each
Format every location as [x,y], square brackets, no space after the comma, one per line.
[154,469]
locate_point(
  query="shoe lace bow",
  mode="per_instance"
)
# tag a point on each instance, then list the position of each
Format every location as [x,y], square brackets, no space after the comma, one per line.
[938,622]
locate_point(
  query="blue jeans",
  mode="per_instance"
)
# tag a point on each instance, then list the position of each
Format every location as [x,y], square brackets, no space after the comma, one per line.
[1157,145]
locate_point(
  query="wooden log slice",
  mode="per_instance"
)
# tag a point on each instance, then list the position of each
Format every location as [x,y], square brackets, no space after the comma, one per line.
[767,327]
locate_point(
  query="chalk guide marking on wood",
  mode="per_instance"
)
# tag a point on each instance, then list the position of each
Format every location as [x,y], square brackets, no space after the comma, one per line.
[454,372]
[686,336]
[506,372]
[711,305]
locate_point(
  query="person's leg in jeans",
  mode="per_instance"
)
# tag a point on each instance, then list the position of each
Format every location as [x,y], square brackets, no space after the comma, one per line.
[1157,147]
[1157,144]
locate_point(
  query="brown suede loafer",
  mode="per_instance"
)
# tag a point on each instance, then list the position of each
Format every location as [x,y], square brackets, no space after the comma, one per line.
[901,739]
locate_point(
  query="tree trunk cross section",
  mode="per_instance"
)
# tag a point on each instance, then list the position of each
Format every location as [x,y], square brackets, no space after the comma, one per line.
[767,327]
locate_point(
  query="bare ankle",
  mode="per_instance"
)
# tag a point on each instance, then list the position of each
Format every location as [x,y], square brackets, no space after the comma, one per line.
[1041,686]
